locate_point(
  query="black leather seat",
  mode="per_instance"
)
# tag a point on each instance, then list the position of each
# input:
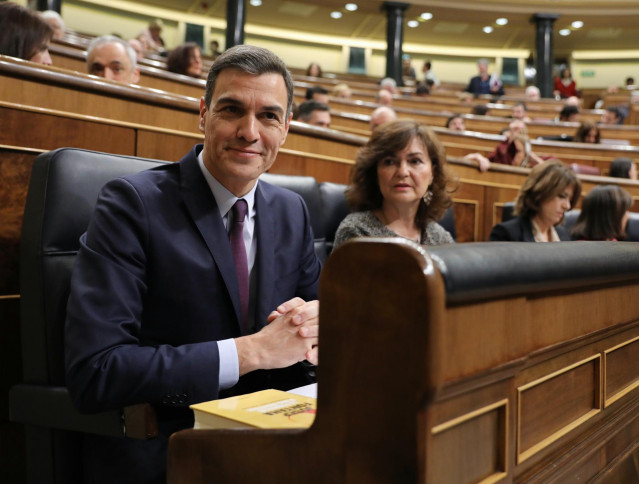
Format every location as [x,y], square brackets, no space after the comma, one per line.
[62,193]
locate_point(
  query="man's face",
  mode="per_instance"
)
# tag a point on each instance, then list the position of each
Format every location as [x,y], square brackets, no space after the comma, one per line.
[244,127]
[320,118]
[519,112]
[457,124]
[112,62]
[609,118]
[320,98]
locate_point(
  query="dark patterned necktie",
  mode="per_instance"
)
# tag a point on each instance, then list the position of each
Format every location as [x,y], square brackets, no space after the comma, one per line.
[239,256]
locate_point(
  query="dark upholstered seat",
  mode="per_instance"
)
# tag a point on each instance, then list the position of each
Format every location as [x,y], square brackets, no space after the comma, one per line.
[62,193]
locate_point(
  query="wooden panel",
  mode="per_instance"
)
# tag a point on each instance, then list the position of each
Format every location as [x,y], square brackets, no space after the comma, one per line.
[621,365]
[15,171]
[472,447]
[165,145]
[555,404]
[49,131]
[290,162]
[469,212]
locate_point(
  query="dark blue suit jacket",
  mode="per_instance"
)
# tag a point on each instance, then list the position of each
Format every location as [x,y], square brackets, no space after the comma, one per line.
[519,229]
[154,288]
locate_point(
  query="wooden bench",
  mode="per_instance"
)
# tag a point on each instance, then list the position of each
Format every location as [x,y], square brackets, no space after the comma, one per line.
[495,362]
[150,76]
[23,82]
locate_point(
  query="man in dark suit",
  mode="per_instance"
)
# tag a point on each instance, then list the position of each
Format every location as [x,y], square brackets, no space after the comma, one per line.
[163,307]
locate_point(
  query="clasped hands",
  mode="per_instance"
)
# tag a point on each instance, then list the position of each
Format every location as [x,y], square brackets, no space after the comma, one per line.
[291,335]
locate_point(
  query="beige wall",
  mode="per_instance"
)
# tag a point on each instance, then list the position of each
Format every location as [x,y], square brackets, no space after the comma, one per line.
[451,64]
[92,19]
[606,72]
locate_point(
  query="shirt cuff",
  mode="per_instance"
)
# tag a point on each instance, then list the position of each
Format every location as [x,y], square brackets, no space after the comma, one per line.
[229,364]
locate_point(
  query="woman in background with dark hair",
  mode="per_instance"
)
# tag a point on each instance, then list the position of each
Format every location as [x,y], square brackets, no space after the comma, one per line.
[587,132]
[604,214]
[314,70]
[399,186]
[550,190]
[565,86]
[24,34]
[623,168]
[186,59]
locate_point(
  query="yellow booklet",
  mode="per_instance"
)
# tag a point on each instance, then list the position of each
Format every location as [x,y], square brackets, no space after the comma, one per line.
[267,409]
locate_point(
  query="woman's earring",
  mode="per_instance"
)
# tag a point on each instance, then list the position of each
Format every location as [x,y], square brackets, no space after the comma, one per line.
[428,197]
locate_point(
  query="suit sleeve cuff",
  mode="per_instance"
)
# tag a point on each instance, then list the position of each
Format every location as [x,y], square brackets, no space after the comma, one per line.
[229,364]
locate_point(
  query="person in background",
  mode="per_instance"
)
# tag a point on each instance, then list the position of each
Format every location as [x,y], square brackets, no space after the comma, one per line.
[185,59]
[429,75]
[485,83]
[422,89]
[407,69]
[381,115]
[314,113]
[629,84]
[137,46]
[612,115]
[341,91]
[214,46]
[623,168]
[605,211]
[24,34]
[317,93]
[520,112]
[569,114]
[54,19]
[587,132]
[399,186]
[550,190]
[389,84]
[314,70]
[456,123]
[480,110]
[384,98]
[565,86]
[532,93]
[112,58]
[514,150]
[151,38]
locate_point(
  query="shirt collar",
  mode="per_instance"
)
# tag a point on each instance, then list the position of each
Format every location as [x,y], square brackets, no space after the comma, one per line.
[225,199]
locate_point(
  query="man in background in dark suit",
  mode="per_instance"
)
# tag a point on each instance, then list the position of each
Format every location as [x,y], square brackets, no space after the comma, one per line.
[163,307]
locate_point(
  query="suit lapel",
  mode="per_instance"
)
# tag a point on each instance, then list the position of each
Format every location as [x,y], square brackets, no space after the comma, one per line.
[527,228]
[201,205]
[266,230]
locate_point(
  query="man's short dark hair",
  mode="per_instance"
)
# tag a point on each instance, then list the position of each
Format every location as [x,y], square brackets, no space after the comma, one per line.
[450,119]
[315,90]
[305,110]
[252,60]
[522,104]
[480,109]
[617,113]
[568,111]
[422,89]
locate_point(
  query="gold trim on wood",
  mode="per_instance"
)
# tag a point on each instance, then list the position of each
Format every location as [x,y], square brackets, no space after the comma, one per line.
[494,210]
[522,456]
[624,391]
[306,154]
[22,148]
[9,296]
[501,405]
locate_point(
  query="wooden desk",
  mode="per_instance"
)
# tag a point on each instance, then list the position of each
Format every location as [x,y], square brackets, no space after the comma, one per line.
[469,363]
